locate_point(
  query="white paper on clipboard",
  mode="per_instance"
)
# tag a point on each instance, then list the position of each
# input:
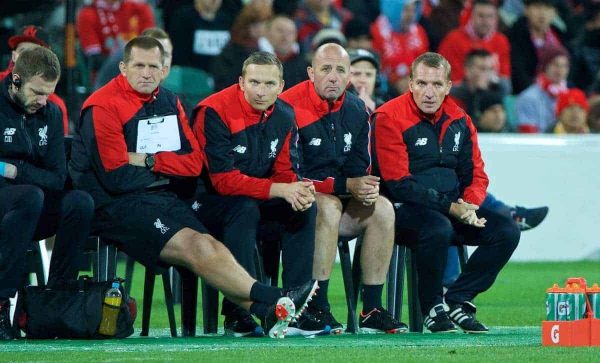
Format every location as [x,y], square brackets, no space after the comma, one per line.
[158,134]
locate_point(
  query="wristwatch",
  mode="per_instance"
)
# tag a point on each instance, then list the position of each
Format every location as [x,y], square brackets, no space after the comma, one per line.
[149,161]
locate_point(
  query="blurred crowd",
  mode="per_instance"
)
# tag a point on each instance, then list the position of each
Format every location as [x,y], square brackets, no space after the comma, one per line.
[528,66]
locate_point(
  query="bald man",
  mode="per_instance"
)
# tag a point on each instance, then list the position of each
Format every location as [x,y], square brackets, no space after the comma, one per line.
[334,129]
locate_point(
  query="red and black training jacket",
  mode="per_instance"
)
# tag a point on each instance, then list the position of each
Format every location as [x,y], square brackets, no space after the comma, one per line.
[333,137]
[107,131]
[430,161]
[245,150]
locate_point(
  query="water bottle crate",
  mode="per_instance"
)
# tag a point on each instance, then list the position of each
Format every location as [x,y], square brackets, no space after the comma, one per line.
[577,333]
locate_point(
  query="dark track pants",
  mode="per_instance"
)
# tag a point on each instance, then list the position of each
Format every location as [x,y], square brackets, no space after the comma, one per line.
[430,232]
[235,221]
[27,213]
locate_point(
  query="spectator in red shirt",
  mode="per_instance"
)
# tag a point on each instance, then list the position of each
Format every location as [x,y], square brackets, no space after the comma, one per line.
[314,15]
[399,39]
[106,25]
[480,32]
[33,36]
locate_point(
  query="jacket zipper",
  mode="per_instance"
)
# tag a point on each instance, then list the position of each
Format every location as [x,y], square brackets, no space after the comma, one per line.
[27,138]
[332,130]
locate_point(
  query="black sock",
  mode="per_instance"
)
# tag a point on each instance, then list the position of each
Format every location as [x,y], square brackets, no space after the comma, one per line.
[320,300]
[260,310]
[264,293]
[371,297]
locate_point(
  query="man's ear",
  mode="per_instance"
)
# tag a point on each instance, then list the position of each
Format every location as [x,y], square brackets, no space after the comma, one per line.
[122,67]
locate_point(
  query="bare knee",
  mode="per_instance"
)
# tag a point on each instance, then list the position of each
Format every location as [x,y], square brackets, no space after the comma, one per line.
[383,214]
[329,211]
[194,250]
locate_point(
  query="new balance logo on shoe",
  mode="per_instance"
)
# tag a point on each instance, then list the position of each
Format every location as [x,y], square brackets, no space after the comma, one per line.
[240,149]
[421,141]
[315,141]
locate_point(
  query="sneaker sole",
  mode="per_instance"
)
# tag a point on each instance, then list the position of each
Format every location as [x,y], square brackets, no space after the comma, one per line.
[475,331]
[445,331]
[249,334]
[294,332]
[337,331]
[285,312]
[379,331]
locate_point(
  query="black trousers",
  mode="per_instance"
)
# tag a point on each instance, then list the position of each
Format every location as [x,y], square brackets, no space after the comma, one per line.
[235,221]
[27,213]
[429,233]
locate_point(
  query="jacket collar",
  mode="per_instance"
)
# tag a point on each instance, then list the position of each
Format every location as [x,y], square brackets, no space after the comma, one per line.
[125,86]
[433,118]
[323,106]
[250,112]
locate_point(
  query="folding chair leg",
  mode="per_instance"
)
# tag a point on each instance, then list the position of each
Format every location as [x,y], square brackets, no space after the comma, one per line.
[210,308]
[149,279]
[356,271]
[189,302]
[463,256]
[394,282]
[40,273]
[166,278]
[130,265]
[399,297]
[414,308]
[175,285]
[344,251]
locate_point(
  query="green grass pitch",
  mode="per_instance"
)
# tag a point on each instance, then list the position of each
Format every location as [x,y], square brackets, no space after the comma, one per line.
[513,309]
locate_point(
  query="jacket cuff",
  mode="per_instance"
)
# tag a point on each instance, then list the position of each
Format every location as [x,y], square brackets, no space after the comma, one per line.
[339,186]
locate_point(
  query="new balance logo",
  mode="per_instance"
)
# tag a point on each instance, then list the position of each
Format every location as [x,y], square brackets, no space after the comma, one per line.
[9,132]
[159,225]
[240,149]
[315,142]
[421,141]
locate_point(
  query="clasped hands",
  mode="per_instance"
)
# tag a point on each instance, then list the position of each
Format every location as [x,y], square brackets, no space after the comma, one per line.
[365,189]
[465,213]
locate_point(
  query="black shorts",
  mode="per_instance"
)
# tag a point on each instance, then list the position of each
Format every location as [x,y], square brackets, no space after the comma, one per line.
[142,224]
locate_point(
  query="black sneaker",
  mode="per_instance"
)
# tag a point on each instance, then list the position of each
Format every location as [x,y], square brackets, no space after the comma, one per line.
[6,330]
[463,315]
[302,295]
[240,323]
[437,321]
[311,323]
[335,327]
[380,320]
[528,218]
[279,317]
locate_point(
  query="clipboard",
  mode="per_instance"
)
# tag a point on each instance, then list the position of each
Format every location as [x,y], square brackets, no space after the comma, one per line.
[158,134]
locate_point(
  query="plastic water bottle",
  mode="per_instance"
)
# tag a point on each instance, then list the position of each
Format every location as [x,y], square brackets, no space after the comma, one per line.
[110,311]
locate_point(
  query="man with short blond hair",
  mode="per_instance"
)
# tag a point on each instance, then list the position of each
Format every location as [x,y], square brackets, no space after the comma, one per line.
[249,140]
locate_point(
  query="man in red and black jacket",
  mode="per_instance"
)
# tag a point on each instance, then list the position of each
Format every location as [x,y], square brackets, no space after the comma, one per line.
[427,153]
[334,130]
[249,140]
[133,140]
